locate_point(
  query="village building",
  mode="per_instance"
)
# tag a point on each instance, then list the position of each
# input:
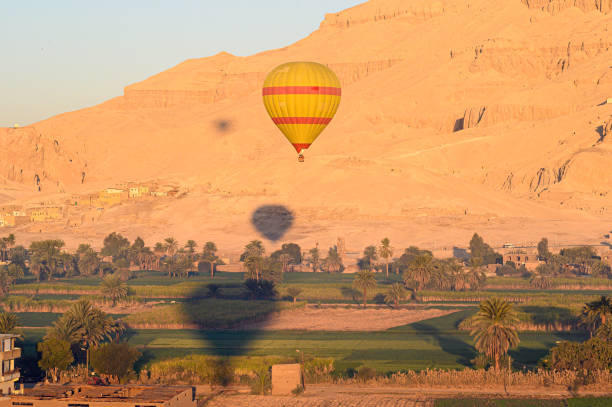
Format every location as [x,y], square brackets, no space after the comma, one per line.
[45,213]
[105,396]
[604,253]
[112,196]
[138,191]
[8,354]
[521,256]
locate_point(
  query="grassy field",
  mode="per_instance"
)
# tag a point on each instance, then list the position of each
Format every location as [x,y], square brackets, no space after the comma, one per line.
[435,343]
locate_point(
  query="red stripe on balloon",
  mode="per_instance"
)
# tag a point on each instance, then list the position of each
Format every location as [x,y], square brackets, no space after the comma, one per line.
[300,146]
[301,120]
[301,90]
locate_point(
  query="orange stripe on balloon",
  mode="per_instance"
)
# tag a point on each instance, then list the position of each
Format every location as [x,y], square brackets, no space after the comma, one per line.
[301,90]
[299,146]
[301,120]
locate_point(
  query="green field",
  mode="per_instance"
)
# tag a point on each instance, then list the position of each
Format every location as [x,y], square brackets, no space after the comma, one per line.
[573,402]
[426,344]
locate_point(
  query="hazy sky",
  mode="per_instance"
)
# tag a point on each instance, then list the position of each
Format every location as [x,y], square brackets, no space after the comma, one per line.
[62,55]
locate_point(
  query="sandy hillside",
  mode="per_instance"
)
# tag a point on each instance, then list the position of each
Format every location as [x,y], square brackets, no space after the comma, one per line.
[456,116]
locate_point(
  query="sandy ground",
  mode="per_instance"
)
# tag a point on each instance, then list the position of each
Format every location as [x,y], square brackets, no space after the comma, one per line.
[342,319]
[365,396]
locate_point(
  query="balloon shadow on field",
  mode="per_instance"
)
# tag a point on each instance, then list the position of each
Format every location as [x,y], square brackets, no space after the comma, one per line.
[272,221]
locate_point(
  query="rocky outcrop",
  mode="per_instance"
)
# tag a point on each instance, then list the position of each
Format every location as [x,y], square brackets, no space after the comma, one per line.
[219,85]
[37,160]
[378,11]
[555,6]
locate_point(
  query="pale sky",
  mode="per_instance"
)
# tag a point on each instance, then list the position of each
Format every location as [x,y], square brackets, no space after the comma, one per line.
[63,55]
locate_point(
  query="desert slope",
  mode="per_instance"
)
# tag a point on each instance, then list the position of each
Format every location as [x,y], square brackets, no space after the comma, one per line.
[457,115]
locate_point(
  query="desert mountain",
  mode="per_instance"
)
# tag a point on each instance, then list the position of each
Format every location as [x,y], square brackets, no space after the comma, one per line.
[456,116]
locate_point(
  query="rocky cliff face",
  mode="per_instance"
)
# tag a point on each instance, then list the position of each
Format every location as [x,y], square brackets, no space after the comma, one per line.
[462,107]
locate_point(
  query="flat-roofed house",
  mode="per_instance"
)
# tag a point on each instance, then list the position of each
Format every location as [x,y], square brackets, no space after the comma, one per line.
[527,256]
[45,213]
[8,354]
[112,196]
[105,396]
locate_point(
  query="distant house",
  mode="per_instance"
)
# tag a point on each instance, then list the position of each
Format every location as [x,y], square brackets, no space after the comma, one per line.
[112,196]
[9,372]
[521,256]
[45,213]
[138,191]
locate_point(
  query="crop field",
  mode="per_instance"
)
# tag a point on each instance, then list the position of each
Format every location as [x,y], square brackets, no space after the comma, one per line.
[434,343]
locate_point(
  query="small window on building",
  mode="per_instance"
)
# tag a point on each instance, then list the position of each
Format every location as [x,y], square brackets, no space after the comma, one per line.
[6,345]
[518,258]
[526,258]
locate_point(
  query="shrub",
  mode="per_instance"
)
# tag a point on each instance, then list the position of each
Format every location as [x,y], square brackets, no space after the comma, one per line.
[114,359]
[260,289]
[365,374]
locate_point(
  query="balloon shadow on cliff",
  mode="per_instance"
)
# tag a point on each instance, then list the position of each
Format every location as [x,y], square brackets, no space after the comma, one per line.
[223,125]
[272,221]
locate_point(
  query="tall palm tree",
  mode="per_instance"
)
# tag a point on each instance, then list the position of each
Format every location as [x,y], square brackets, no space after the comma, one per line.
[364,281]
[495,329]
[209,255]
[420,270]
[8,323]
[598,311]
[93,325]
[385,251]
[170,246]
[47,255]
[113,288]
[369,257]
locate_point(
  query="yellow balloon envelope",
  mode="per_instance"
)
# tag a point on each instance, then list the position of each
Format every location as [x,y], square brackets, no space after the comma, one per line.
[301,98]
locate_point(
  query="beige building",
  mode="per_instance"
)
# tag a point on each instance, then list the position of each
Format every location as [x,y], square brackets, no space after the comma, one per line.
[138,191]
[105,396]
[45,213]
[112,196]
[527,256]
[8,354]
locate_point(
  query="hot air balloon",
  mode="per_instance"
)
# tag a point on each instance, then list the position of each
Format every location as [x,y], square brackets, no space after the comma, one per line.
[301,98]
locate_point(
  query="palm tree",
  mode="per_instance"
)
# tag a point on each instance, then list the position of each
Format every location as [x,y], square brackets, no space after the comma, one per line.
[369,256]
[209,255]
[419,271]
[93,325]
[294,292]
[46,255]
[88,262]
[364,281]
[170,246]
[597,312]
[333,261]
[385,251]
[8,323]
[113,288]
[396,294]
[495,329]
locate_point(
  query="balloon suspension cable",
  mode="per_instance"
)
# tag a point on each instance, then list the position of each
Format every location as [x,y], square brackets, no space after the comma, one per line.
[301,158]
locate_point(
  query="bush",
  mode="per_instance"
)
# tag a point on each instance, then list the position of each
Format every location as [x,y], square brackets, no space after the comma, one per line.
[260,289]
[365,374]
[114,359]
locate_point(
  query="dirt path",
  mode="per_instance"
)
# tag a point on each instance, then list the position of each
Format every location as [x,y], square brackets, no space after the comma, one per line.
[326,395]
[343,319]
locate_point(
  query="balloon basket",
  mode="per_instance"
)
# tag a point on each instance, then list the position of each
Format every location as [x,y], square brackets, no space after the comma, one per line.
[301,158]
